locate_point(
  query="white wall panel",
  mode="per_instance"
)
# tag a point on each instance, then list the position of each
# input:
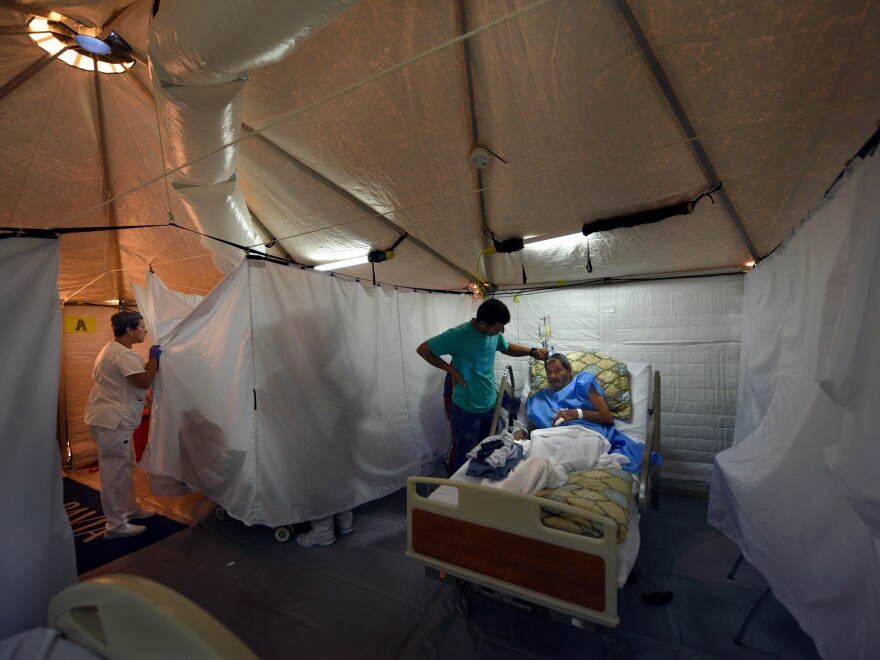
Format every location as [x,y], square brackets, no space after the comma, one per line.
[689,330]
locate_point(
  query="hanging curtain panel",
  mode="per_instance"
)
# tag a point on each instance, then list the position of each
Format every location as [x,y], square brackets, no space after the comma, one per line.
[799,489]
[37,557]
[286,395]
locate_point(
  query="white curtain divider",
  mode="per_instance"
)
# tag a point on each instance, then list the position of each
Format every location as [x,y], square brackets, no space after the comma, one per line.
[800,489]
[37,559]
[287,395]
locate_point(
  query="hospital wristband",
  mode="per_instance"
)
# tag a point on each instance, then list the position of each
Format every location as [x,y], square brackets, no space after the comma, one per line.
[580,413]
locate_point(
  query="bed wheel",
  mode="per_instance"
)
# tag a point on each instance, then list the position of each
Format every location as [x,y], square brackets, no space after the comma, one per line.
[282,534]
[219,512]
[615,647]
[463,603]
[622,653]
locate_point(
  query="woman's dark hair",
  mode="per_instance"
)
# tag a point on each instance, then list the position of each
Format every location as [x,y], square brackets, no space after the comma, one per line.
[493,311]
[122,321]
[559,357]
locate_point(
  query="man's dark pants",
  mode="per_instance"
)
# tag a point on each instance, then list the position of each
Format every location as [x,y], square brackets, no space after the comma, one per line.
[469,429]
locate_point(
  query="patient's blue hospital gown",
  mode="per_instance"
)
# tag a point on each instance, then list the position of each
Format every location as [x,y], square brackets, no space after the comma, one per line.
[544,403]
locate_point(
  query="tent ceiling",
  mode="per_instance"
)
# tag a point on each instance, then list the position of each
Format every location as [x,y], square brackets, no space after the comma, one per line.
[780,95]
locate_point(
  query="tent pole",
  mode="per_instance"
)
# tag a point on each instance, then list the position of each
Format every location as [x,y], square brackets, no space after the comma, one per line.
[261,229]
[354,201]
[112,237]
[475,134]
[684,122]
[27,74]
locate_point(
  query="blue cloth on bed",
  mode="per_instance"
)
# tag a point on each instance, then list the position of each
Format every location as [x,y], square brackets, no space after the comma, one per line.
[542,406]
[478,469]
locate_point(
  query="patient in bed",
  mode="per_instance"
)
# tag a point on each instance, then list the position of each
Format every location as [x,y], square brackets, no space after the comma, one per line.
[577,400]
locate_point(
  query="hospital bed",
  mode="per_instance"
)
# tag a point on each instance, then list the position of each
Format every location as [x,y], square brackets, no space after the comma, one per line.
[492,542]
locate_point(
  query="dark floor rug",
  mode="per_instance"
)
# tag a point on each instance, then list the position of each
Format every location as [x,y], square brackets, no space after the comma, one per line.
[83,506]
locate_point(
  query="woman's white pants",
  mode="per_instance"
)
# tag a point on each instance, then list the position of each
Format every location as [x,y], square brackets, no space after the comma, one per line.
[115,466]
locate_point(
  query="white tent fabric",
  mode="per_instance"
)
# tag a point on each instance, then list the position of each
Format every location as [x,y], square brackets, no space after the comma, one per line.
[799,489]
[286,396]
[199,83]
[364,131]
[37,560]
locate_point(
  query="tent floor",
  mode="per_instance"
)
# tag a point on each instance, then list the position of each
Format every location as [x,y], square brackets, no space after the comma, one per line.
[362,598]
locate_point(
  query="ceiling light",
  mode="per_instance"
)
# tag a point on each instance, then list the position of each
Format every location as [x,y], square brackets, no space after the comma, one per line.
[357,261]
[79,45]
[92,44]
[541,243]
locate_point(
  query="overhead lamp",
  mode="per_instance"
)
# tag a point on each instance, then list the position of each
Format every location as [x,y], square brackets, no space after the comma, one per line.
[78,45]
[537,242]
[345,263]
[480,289]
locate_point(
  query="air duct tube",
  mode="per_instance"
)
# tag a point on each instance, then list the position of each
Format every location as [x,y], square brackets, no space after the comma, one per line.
[200,52]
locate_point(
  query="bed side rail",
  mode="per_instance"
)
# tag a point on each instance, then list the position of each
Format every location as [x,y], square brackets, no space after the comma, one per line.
[507,386]
[649,474]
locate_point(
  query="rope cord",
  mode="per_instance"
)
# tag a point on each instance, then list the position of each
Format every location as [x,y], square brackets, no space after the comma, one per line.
[249,252]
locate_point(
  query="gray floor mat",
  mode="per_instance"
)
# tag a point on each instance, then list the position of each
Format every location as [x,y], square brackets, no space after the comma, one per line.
[362,598]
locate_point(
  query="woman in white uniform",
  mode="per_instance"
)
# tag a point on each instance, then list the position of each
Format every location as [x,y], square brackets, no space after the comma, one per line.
[113,412]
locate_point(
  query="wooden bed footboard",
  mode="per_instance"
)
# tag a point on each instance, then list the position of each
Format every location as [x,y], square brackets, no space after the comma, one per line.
[496,539]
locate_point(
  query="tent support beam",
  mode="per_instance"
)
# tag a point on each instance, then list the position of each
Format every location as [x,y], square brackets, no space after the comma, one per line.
[475,134]
[354,201]
[261,229]
[684,122]
[113,238]
[116,17]
[26,75]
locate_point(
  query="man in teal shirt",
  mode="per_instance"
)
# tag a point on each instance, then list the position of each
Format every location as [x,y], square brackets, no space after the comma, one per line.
[472,346]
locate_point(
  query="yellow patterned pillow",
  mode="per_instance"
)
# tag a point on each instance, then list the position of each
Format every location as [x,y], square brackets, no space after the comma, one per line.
[603,491]
[611,374]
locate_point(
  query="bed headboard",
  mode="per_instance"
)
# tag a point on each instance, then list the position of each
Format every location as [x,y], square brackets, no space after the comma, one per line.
[641,386]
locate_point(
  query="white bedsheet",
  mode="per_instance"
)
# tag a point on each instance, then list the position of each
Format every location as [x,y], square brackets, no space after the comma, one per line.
[574,448]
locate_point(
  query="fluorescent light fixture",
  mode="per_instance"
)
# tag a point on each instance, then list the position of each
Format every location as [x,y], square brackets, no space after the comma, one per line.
[541,243]
[335,265]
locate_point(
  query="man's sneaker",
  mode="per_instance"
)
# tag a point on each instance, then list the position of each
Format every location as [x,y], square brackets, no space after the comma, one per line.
[312,537]
[124,530]
[345,522]
[141,514]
